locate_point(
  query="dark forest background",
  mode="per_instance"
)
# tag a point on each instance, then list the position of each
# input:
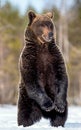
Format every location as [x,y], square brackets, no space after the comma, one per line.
[68,28]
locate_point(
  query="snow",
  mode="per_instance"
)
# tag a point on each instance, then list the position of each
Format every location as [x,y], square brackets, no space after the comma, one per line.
[8,120]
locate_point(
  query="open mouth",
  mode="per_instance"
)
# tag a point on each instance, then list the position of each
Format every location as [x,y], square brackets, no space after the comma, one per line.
[47,39]
[44,39]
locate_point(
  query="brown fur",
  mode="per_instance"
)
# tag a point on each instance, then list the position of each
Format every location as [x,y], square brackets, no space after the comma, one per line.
[43,84]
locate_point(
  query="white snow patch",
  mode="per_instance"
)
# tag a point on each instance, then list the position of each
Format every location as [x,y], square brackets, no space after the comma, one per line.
[8,120]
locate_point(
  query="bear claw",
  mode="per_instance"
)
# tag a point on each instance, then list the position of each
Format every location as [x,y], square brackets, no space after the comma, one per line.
[59,109]
[48,106]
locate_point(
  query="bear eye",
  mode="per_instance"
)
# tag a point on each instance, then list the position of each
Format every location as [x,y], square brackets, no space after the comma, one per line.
[42,24]
[50,25]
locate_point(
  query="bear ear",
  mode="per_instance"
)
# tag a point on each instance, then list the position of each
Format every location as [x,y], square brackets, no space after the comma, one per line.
[50,14]
[31,16]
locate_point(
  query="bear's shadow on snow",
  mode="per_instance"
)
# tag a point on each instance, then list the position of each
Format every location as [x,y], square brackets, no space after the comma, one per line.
[73,125]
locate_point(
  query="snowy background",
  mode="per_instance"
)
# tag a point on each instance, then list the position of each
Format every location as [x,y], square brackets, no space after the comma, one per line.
[8,120]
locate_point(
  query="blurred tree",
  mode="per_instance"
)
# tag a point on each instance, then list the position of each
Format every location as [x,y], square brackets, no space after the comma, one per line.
[75,24]
[74,66]
[11,38]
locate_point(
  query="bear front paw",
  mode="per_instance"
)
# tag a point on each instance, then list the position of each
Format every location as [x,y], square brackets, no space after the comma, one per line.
[48,105]
[59,105]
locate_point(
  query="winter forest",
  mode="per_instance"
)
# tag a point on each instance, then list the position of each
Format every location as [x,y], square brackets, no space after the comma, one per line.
[13,20]
[67,20]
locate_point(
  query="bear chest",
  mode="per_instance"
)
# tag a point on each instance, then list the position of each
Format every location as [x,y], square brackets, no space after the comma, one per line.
[44,60]
[45,70]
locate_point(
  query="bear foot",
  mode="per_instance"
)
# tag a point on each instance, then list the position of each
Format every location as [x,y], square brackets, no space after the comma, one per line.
[58,119]
[25,123]
[57,123]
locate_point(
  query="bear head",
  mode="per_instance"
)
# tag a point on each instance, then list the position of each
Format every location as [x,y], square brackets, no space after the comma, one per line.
[42,26]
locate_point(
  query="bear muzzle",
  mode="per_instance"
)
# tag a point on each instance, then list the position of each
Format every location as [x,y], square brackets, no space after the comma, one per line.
[48,37]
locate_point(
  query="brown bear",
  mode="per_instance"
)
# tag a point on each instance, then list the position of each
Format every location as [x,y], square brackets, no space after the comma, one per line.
[43,76]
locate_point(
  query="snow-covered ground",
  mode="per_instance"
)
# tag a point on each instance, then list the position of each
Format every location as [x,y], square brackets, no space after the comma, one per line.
[8,120]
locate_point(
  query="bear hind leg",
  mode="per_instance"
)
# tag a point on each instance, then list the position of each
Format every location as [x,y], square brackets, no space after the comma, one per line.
[28,111]
[58,119]
[28,115]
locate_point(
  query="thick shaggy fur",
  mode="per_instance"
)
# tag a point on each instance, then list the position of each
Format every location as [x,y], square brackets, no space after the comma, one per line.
[43,83]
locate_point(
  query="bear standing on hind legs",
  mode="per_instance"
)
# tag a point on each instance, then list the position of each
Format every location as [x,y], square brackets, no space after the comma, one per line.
[43,77]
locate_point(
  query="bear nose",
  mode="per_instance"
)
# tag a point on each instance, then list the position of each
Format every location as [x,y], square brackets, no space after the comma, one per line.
[50,34]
